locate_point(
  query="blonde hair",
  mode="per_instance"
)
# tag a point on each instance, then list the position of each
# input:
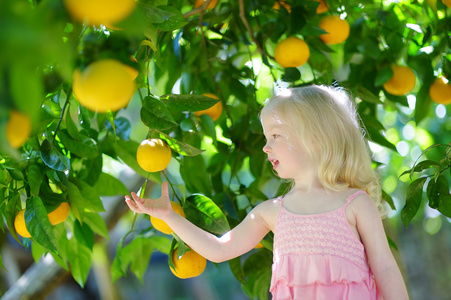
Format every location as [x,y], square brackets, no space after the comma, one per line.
[326,124]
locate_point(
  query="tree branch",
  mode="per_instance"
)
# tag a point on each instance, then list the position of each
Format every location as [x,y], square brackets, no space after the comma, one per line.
[246,24]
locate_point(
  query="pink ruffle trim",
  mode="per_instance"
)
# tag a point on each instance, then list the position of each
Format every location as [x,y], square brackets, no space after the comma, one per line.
[297,270]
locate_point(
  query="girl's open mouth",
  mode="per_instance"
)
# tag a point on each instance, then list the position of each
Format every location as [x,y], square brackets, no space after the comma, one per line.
[274,163]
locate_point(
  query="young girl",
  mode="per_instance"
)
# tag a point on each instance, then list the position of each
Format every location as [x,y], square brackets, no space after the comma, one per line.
[329,241]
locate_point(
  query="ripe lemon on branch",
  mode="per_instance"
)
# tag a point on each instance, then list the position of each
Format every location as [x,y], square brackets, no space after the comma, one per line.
[292,52]
[60,214]
[96,12]
[104,85]
[18,128]
[337,30]
[402,81]
[19,224]
[161,225]
[153,155]
[214,112]
[440,91]
[191,264]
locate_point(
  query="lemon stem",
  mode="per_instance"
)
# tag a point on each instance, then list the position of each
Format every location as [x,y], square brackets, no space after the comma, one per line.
[62,114]
[172,187]
[141,195]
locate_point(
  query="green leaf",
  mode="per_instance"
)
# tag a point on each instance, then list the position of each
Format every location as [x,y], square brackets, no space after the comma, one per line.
[237,269]
[195,181]
[97,224]
[80,261]
[156,115]
[85,148]
[413,200]
[188,102]
[423,103]
[38,224]
[387,198]
[383,76]
[167,18]
[34,179]
[107,185]
[137,254]
[76,200]
[72,129]
[53,158]
[122,128]
[180,147]
[204,213]
[92,201]
[10,214]
[1,263]
[84,234]
[421,166]
[376,137]
[291,75]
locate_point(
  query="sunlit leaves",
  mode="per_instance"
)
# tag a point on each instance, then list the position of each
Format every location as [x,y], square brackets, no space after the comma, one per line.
[156,115]
[108,185]
[204,213]
[53,158]
[39,225]
[137,254]
[80,258]
[413,200]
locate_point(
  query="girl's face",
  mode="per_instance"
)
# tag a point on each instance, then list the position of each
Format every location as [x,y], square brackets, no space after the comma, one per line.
[288,158]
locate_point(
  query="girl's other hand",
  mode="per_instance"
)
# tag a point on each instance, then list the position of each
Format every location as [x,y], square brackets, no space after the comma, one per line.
[158,208]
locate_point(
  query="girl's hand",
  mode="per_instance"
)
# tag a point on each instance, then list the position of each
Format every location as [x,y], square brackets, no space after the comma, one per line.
[158,208]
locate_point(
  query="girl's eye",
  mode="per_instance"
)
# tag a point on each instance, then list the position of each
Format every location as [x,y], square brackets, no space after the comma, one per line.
[275,136]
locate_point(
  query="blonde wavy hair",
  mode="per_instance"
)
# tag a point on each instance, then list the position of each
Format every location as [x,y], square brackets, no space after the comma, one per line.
[326,124]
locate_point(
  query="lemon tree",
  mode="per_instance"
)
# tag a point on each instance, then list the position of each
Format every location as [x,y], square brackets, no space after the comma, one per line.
[84,83]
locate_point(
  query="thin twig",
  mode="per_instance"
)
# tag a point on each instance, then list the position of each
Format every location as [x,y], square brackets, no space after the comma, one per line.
[172,187]
[62,114]
[248,27]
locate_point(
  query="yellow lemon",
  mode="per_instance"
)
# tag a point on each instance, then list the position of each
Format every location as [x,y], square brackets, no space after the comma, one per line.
[191,264]
[214,112]
[60,214]
[440,91]
[322,7]
[104,85]
[96,12]
[292,52]
[402,81]
[19,224]
[337,30]
[153,155]
[161,225]
[18,128]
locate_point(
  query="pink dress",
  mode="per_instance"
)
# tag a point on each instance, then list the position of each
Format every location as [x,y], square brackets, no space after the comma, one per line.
[319,257]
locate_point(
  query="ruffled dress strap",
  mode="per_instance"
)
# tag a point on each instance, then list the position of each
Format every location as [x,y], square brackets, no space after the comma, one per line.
[355,195]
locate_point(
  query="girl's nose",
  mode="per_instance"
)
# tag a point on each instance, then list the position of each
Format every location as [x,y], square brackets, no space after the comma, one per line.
[266,148]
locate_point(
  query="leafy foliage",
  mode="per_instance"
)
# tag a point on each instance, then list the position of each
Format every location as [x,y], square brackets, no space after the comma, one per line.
[182,53]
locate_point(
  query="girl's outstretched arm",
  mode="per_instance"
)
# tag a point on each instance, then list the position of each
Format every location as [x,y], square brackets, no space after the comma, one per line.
[386,272]
[234,243]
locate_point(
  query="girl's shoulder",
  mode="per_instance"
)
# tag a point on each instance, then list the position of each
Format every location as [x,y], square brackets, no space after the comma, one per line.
[360,203]
[269,210]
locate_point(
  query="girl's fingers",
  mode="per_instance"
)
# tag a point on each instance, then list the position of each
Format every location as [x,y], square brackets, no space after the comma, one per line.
[131,204]
[164,190]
